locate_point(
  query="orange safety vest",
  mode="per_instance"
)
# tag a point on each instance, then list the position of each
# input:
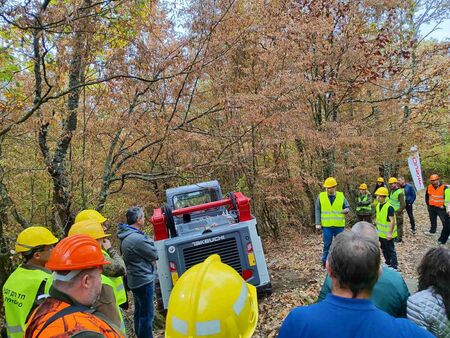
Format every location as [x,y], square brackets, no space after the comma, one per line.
[436,196]
[68,325]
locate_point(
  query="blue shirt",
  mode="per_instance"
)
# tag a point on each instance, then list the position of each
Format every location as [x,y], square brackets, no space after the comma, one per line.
[347,318]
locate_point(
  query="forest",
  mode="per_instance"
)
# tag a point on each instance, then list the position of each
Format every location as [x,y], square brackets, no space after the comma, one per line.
[104,104]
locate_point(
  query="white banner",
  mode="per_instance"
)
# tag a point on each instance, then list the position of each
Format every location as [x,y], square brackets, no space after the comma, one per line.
[416,171]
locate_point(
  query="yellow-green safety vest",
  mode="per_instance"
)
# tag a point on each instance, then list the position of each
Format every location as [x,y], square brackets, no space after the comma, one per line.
[394,199]
[108,281]
[383,225]
[119,287]
[331,215]
[116,283]
[19,295]
[447,195]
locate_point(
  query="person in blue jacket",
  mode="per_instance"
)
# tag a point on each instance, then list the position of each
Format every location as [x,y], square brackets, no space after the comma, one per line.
[410,197]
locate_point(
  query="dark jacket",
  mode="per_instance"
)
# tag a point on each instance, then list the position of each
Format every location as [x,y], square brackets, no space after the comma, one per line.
[139,254]
[410,193]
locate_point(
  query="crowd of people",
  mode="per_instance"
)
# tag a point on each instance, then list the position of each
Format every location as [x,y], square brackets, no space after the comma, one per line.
[76,287]
[386,210]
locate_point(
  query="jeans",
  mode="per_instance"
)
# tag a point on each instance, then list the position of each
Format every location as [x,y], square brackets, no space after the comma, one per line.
[143,310]
[409,210]
[327,235]
[390,256]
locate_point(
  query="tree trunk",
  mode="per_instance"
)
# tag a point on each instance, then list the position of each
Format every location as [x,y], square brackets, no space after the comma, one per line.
[56,164]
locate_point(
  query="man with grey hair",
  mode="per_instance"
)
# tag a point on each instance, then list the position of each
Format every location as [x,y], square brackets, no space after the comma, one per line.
[390,293]
[354,266]
[139,254]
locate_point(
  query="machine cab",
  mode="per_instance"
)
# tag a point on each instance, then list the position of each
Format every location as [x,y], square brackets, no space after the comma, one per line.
[195,194]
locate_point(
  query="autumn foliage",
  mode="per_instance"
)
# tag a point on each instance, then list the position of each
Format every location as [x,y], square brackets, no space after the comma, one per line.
[105,104]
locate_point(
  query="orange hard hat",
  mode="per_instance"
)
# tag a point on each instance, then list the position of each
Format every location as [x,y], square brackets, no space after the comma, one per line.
[434,177]
[77,252]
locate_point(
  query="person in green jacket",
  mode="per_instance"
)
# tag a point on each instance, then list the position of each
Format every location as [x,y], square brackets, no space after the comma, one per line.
[364,204]
[26,287]
[390,293]
[397,200]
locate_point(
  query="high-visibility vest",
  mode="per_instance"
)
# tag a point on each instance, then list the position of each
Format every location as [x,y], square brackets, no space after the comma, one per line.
[331,215]
[447,195]
[67,325]
[108,281]
[436,196]
[383,225]
[19,295]
[363,209]
[119,288]
[116,283]
[394,199]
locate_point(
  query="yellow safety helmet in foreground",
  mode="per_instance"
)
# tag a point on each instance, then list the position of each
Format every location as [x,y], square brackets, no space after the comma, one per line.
[382,192]
[380,180]
[87,214]
[363,186]
[89,227]
[392,180]
[330,182]
[211,300]
[33,237]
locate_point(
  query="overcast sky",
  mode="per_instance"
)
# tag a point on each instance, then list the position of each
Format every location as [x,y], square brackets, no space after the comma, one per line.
[442,33]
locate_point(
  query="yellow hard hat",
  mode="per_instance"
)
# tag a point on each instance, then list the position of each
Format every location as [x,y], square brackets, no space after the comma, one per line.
[92,214]
[363,186]
[392,180]
[89,227]
[211,300]
[382,191]
[380,180]
[330,182]
[33,237]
